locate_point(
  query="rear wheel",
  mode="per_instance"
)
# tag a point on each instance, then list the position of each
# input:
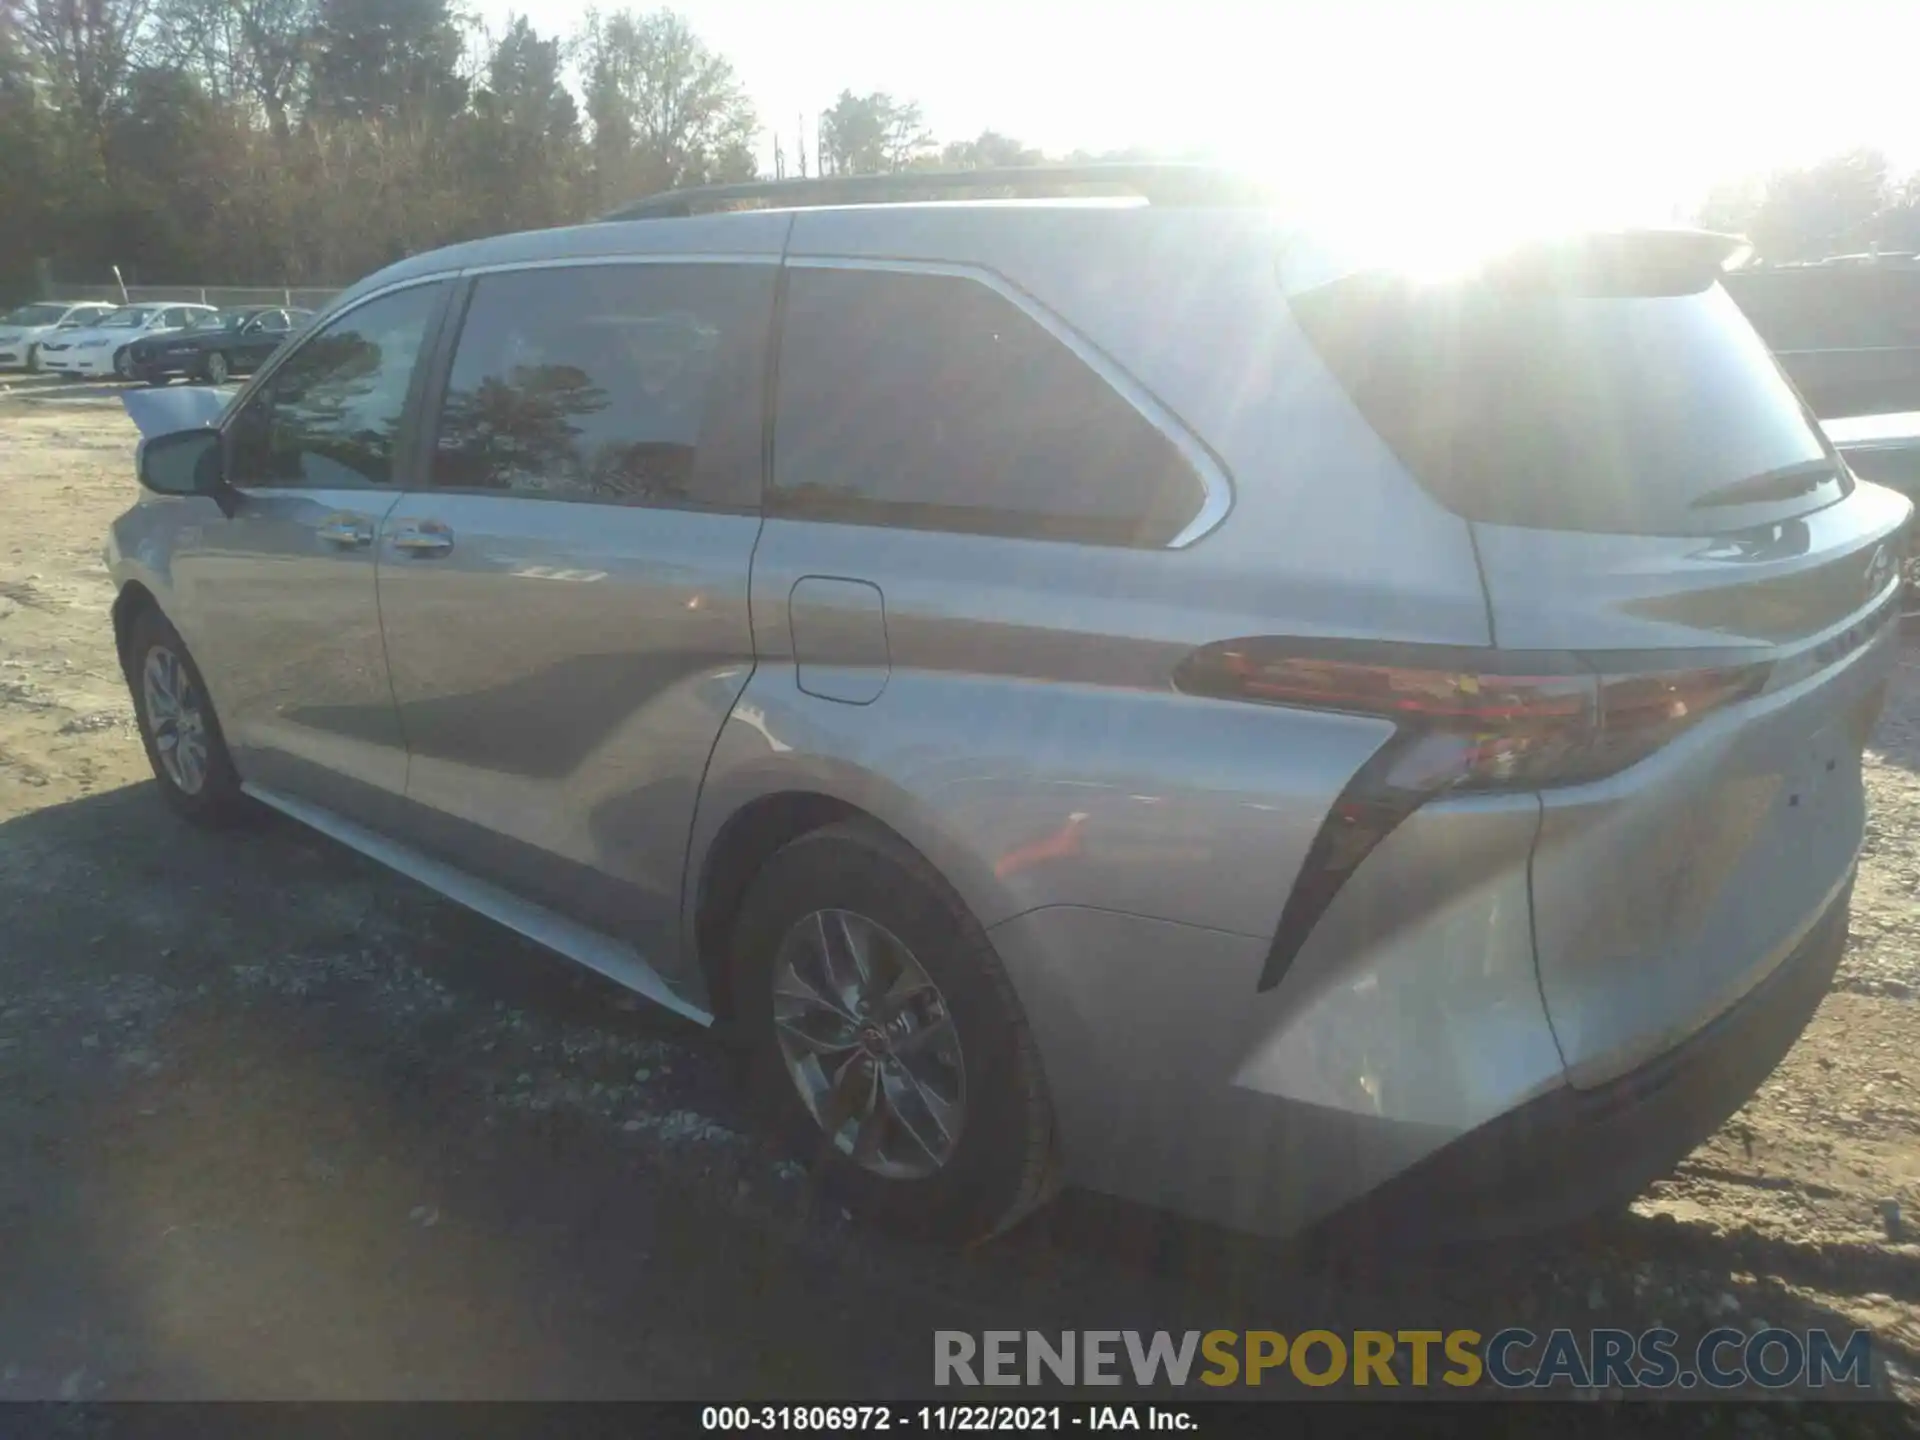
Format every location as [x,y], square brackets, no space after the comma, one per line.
[885,1038]
[217,368]
[178,727]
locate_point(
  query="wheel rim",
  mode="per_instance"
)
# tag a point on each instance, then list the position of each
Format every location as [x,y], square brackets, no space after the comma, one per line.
[216,367]
[869,1043]
[122,365]
[176,719]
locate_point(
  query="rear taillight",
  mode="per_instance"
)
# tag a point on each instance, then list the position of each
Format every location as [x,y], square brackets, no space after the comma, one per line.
[1464,721]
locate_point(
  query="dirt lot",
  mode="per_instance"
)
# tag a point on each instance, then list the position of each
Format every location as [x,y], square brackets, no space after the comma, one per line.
[274,1123]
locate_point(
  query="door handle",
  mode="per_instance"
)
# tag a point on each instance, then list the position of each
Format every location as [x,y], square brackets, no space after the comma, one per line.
[427,539]
[345,530]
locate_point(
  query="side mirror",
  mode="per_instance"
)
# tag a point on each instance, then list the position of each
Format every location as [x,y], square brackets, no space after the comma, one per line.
[185,462]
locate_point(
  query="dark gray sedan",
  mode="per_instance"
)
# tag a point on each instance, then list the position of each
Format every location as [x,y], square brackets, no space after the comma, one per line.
[233,342]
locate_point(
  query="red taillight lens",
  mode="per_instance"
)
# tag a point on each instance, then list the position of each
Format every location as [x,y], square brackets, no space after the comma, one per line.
[1461,723]
[1502,730]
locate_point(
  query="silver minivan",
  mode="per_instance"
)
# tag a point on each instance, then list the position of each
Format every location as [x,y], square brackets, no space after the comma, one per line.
[1098,688]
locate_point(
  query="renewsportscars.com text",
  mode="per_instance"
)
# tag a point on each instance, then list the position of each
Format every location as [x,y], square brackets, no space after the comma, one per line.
[1512,1358]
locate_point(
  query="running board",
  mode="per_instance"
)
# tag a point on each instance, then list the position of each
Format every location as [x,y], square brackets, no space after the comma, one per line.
[619,962]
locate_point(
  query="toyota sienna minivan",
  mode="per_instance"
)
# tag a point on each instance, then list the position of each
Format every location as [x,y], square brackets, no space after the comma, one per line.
[1089,687]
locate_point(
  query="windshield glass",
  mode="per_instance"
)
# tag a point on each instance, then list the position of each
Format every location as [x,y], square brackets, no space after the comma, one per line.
[127,319]
[34,315]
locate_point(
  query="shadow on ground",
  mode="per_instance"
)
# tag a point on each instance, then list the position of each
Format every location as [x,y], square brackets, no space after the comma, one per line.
[277,1124]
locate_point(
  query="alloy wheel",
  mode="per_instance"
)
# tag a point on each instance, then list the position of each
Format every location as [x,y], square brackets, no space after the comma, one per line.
[869,1044]
[217,368]
[176,718]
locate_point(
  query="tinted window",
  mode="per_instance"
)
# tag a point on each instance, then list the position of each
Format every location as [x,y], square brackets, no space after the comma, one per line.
[611,383]
[1638,414]
[932,401]
[330,416]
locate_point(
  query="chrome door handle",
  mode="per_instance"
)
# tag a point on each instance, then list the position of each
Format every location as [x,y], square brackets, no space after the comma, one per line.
[344,530]
[424,540]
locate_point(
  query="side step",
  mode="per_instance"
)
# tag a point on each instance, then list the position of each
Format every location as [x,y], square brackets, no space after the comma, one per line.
[618,961]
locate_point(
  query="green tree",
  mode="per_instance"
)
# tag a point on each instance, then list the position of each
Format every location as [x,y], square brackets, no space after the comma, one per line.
[666,110]
[386,59]
[1824,209]
[990,151]
[519,147]
[871,135]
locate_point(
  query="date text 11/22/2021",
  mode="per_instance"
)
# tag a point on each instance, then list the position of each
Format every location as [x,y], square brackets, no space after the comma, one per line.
[936,1418]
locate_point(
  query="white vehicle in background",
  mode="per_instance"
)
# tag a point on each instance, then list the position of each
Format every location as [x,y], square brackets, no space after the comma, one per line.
[100,349]
[23,330]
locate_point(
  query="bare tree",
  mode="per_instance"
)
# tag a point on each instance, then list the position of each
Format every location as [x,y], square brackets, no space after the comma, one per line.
[87,48]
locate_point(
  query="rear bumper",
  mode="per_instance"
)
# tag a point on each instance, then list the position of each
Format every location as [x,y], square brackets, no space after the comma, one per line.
[1573,1153]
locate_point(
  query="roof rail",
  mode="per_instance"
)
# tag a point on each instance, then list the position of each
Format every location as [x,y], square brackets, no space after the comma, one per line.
[1157,182]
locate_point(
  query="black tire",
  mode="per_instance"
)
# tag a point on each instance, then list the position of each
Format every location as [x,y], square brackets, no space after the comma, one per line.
[217,368]
[1003,1163]
[33,359]
[218,801]
[123,364]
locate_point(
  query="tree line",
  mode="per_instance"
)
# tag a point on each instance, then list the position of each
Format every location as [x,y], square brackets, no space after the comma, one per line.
[1847,204]
[307,142]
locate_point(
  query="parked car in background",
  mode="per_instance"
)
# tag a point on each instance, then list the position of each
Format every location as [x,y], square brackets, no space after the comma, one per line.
[1115,690]
[231,342]
[101,349]
[1886,450]
[22,331]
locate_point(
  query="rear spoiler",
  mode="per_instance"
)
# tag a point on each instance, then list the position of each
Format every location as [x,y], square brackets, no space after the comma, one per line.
[1629,262]
[186,407]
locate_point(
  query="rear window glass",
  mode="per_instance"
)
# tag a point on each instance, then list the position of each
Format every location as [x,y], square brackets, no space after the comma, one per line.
[1626,414]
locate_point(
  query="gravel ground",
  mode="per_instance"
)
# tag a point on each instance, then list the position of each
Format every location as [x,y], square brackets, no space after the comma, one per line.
[274,1123]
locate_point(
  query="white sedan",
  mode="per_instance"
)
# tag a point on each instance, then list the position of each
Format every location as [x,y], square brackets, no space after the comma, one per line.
[24,330]
[101,348]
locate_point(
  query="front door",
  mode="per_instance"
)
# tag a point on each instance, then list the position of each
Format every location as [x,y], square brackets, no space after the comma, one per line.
[565,603]
[279,599]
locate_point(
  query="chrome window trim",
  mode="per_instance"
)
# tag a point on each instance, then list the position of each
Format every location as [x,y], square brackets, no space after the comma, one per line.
[1215,486]
[320,322]
[576,262]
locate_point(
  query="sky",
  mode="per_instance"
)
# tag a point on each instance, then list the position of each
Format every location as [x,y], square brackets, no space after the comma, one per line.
[1554,110]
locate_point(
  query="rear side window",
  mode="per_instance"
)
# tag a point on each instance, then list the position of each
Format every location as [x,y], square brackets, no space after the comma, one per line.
[933,402]
[1630,414]
[618,384]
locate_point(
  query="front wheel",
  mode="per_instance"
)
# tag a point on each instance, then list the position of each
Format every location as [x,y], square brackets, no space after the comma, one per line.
[178,727]
[885,1038]
[33,359]
[217,368]
[123,365]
